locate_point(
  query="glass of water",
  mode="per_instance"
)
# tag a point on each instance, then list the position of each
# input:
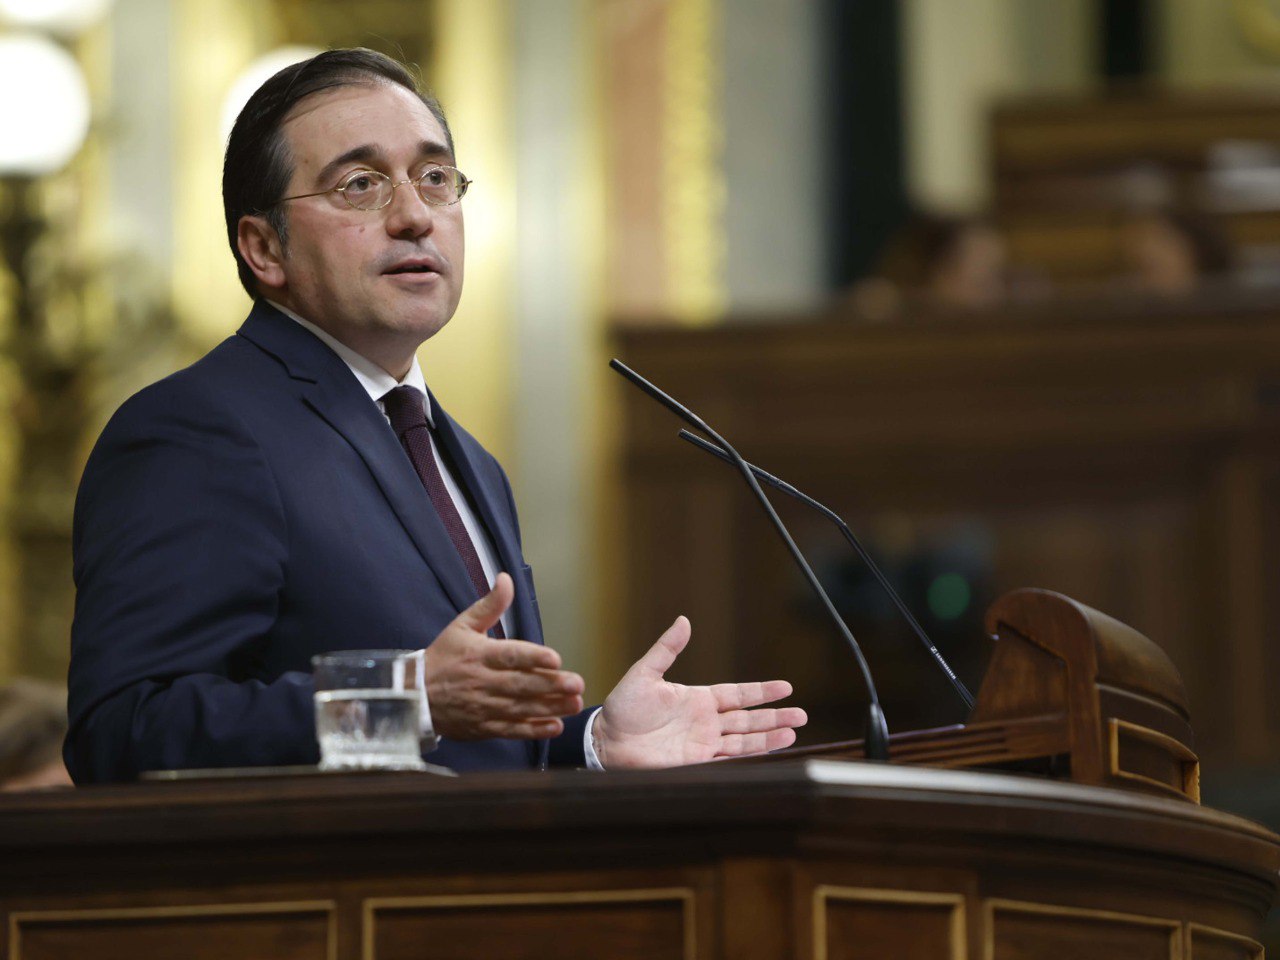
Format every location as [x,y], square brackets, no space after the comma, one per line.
[367,709]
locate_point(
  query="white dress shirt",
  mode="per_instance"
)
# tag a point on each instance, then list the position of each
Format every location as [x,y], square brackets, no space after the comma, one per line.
[378,383]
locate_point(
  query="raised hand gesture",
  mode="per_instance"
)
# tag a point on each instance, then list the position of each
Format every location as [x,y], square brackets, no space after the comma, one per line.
[479,687]
[649,722]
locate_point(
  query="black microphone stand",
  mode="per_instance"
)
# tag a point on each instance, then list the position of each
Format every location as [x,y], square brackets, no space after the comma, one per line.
[853,541]
[876,740]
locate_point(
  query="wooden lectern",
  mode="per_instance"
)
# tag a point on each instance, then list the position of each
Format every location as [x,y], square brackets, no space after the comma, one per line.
[1071,693]
[802,857]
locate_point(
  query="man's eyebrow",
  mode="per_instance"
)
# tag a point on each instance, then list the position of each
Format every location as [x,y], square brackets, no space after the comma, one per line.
[369,153]
[366,153]
[434,150]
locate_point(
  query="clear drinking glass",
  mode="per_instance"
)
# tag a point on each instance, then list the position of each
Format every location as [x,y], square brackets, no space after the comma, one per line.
[368,709]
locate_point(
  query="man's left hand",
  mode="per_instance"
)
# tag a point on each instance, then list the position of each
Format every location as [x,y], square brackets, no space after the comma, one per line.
[648,722]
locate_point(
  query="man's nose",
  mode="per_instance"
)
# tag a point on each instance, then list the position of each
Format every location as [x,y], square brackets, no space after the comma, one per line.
[408,215]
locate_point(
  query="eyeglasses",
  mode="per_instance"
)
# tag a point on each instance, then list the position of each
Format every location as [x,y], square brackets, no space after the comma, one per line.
[439,186]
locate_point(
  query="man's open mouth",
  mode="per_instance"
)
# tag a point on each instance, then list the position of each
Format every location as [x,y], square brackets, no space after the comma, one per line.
[412,268]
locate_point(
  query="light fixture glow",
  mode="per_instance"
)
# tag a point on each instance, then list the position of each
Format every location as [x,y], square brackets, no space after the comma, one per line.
[60,16]
[44,115]
[255,75]
[949,596]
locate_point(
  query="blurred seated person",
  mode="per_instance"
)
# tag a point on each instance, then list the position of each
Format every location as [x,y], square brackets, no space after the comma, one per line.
[945,261]
[965,262]
[33,723]
[1171,252]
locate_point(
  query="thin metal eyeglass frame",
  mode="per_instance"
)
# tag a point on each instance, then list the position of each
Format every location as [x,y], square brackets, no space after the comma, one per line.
[463,186]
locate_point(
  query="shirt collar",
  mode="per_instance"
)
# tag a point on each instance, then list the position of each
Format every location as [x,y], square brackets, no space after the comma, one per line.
[376,381]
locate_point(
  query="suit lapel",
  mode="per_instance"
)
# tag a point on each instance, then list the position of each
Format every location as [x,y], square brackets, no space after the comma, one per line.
[490,503]
[492,506]
[330,389]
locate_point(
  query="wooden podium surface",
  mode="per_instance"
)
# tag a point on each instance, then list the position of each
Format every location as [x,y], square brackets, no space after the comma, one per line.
[803,858]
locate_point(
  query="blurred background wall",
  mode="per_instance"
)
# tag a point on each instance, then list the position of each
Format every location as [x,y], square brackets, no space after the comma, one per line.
[782,206]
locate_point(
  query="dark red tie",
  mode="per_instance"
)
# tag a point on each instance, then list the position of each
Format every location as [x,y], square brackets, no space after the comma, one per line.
[408,418]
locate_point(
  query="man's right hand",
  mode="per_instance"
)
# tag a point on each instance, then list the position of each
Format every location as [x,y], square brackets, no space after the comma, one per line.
[479,687]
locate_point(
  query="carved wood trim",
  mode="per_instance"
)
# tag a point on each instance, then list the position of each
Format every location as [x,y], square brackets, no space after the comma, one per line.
[1192,930]
[1178,751]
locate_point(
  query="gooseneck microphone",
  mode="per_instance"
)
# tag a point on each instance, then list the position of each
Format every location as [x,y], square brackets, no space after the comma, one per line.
[876,740]
[853,541]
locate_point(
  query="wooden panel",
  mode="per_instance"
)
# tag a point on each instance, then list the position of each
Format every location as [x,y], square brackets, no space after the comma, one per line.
[620,924]
[1033,931]
[284,931]
[757,911]
[1044,134]
[859,922]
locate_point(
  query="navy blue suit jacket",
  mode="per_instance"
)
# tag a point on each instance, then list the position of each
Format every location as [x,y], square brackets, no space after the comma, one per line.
[240,516]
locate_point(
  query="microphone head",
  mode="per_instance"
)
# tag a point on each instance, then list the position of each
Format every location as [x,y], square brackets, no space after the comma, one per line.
[875,744]
[668,401]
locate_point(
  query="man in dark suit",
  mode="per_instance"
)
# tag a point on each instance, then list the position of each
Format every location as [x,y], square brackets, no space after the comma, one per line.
[299,490]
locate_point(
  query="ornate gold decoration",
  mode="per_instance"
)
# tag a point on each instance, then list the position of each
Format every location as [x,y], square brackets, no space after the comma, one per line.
[693,219]
[82,325]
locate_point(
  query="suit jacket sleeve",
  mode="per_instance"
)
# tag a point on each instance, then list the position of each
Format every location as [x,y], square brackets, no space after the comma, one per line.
[179,549]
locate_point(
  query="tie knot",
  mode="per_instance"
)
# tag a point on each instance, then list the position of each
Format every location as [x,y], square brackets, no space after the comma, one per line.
[405,409]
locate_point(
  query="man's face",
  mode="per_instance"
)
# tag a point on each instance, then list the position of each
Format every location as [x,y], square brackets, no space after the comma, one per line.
[359,274]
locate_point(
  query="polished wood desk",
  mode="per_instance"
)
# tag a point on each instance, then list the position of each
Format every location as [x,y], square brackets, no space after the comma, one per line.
[813,858]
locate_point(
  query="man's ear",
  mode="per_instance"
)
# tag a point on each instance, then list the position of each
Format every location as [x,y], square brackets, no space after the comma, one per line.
[259,245]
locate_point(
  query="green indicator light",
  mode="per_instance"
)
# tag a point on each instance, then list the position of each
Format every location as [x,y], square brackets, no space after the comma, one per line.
[949,596]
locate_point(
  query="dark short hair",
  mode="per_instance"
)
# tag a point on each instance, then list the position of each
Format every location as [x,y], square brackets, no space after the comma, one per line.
[257,167]
[924,243]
